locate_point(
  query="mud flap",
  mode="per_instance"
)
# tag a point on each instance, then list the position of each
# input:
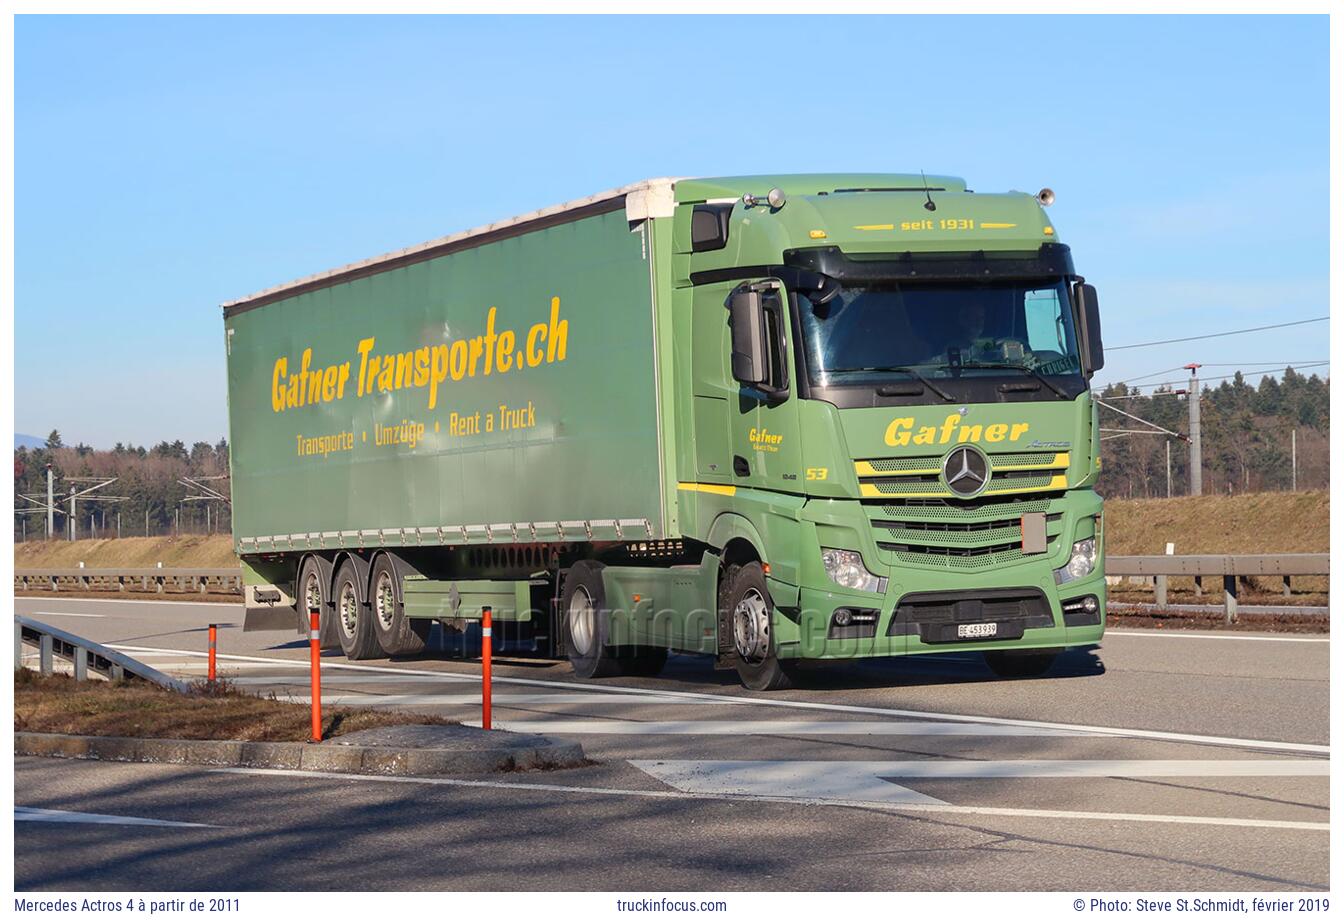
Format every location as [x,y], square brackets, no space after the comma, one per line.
[271,618]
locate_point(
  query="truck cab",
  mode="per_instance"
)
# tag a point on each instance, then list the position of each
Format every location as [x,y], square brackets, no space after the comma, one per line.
[885,391]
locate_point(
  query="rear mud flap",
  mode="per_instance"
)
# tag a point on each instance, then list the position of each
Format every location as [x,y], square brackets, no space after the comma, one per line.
[270,619]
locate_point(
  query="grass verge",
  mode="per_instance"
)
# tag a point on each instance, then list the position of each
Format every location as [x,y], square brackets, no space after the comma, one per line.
[220,712]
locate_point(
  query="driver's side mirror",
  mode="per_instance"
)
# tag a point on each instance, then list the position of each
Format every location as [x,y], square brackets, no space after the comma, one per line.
[1094,357]
[756,324]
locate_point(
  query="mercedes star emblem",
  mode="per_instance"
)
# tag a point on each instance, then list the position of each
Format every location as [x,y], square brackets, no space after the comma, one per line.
[966,471]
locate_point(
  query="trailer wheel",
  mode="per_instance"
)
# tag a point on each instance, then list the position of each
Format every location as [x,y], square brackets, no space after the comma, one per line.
[745,599]
[583,605]
[313,590]
[353,618]
[397,633]
[1031,663]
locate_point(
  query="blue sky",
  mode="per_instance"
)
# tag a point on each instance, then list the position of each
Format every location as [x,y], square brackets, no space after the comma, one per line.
[164,165]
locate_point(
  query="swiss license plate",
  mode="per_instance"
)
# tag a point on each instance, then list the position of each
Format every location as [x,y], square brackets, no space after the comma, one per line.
[976,630]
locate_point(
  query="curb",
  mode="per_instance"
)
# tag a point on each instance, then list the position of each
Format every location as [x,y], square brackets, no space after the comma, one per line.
[296,755]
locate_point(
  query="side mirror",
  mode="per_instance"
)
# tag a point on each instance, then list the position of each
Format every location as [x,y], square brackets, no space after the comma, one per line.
[746,323]
[756,324]
[1094,356]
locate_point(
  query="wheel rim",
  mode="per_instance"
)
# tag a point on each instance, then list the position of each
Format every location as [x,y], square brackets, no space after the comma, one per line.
[349,607]
[751,626]
[385,601]
[312,594]
[582,621]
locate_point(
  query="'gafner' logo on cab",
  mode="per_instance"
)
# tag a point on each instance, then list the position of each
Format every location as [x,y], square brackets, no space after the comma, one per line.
[902,432]
[761,439]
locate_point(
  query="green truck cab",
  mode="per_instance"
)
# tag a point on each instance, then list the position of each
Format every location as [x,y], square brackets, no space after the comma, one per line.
[766,419]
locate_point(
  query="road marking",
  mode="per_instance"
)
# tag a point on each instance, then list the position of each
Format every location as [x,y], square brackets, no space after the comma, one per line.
[809,800]
[1163,634]
[780,727]
[55,816]
[709,775]
[1146,734]
[52,613]
[474,699]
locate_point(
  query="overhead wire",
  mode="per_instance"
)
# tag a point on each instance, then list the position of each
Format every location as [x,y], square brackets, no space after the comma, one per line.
[1215,335]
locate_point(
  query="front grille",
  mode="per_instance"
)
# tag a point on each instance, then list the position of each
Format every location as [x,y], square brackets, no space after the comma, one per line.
[959,535]
[935,615]
[913,477]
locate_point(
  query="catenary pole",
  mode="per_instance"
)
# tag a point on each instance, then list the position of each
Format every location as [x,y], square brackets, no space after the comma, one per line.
[1196,455]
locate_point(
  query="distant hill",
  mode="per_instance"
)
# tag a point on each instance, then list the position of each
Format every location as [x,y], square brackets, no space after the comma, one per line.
[27,440]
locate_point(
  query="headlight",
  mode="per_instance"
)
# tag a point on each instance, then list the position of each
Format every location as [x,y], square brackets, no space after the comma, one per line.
[1081,562]
[845,567]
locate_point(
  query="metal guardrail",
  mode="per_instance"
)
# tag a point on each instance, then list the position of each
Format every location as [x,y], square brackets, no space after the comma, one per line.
[1231,568]
[228,580]
[85,654]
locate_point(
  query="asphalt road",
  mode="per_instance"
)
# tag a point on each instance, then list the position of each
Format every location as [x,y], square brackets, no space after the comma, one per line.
[1158,761]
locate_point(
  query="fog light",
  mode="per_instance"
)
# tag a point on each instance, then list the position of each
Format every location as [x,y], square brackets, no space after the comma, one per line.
[843,617]
[1090,604]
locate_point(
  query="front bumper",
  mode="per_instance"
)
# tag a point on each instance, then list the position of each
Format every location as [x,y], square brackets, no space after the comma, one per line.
[920,608]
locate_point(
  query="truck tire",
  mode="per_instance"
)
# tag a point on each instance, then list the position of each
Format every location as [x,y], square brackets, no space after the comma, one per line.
[1026,663]
[313,586]
[397,633]
[745,599]
[583,607]
[353,618]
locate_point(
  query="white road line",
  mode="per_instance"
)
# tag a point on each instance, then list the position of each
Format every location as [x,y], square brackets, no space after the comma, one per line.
[780,727]
[52,613]
[56,816]
[708,775]
[1164,634]
[892,806]
[1147,734]
[474,699]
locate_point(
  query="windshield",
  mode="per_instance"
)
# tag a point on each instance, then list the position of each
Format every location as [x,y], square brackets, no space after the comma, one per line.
[868,334]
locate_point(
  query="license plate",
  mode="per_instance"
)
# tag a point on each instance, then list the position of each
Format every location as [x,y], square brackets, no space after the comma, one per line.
[976,630]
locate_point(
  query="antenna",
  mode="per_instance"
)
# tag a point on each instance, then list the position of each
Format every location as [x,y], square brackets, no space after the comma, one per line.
[928,199]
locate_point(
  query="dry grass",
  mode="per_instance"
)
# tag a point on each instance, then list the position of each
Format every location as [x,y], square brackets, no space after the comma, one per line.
[1266,522]
[137,709]
[214,552]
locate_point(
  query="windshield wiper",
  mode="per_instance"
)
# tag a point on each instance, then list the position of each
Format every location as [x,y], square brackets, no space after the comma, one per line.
[905,369]
[1019,367]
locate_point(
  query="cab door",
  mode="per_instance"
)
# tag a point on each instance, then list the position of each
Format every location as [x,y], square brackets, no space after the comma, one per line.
[763,412]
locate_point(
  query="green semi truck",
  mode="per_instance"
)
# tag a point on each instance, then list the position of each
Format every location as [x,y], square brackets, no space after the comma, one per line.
[764,419]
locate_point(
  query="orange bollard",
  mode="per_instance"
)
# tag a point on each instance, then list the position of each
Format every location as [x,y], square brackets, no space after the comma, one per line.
[210,673]
[486,642]
[314,644]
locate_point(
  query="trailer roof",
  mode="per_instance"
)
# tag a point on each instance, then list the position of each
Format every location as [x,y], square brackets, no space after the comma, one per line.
[649,198]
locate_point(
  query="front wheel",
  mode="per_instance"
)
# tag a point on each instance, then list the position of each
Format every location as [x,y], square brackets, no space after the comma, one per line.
[745,598]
